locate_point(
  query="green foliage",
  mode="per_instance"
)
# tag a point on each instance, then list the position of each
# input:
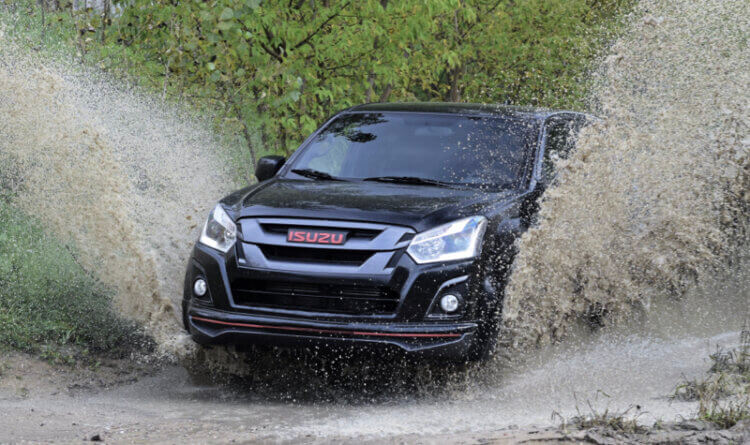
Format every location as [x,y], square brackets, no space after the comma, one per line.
[281,67]
[47,301]
[272,71]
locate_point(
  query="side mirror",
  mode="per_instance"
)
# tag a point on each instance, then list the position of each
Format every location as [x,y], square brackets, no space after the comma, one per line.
[268,166]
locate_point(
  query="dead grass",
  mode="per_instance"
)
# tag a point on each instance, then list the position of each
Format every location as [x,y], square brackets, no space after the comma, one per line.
[725,414]
[723,396]
[625,421]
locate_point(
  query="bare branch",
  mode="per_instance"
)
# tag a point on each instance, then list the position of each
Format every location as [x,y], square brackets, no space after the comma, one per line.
[270,51]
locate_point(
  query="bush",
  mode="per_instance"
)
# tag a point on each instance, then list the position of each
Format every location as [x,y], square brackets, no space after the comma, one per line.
[273,71]
[47,301]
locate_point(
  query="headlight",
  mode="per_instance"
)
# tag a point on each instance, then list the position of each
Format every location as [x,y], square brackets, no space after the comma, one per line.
[458,240]
[220,232]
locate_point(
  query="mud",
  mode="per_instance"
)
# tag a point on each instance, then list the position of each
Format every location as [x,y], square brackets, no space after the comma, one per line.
[618,372]
[656,197]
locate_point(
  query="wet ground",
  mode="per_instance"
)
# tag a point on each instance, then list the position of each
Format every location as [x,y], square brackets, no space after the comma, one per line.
[40,402]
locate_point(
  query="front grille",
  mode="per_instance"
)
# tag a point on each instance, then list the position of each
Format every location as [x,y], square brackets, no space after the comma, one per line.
[313,297]
[315,255]
[282,229]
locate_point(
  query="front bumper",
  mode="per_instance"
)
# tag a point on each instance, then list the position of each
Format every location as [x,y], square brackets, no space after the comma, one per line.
[412,327]
[211,326]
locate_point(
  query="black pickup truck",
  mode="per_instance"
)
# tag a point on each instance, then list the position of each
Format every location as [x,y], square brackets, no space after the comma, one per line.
[391,226]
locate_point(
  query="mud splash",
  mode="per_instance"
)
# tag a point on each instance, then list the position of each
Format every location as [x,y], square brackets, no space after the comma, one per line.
[657,196]
[123,177]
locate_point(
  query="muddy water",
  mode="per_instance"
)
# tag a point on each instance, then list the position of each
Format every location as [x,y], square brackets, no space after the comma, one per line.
[125,178]
[643,234]
[616,370]
[656,197]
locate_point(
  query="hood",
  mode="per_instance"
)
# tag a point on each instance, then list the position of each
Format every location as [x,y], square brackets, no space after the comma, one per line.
[417,206]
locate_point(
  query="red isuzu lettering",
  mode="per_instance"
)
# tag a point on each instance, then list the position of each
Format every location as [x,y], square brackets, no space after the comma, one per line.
[315,237]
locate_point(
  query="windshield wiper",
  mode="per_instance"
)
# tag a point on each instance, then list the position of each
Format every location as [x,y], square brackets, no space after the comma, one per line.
[411,180]
[315,174]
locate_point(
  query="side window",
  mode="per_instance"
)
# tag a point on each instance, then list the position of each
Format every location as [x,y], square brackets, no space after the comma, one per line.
[562,133]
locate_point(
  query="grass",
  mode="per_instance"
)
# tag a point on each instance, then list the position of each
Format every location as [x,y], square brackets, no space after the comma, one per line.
[618,421]
[726,414]
[49,305]
[723,396]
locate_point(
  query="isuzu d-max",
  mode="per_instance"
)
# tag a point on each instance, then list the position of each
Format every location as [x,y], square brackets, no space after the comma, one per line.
[393,226]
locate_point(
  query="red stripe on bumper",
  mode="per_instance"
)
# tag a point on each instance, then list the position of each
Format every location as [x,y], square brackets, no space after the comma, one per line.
[326,331]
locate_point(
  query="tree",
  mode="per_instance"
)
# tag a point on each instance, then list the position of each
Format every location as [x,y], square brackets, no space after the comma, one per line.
[280,67]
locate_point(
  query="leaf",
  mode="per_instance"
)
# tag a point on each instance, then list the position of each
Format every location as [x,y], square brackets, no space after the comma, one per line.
[225,26]
[226,14]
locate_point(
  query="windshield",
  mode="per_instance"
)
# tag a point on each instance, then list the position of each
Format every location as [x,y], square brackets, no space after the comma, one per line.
[451,149]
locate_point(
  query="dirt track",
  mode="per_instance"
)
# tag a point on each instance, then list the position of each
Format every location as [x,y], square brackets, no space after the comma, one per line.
[44,403]
[126,403]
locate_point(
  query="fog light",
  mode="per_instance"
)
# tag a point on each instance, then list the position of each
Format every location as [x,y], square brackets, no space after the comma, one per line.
[200,287]
[449,303]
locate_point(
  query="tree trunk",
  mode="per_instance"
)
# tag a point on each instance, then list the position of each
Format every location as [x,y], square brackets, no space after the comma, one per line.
[455,72]
[248,137]
[106,6]
[371,75]
[386,93]
[370,88]
[455,92]
[44,24]
[302,109]
[166,82]
[245,131]
[230,100]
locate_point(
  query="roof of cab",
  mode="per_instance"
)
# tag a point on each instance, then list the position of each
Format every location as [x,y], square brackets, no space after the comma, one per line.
[453,108]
